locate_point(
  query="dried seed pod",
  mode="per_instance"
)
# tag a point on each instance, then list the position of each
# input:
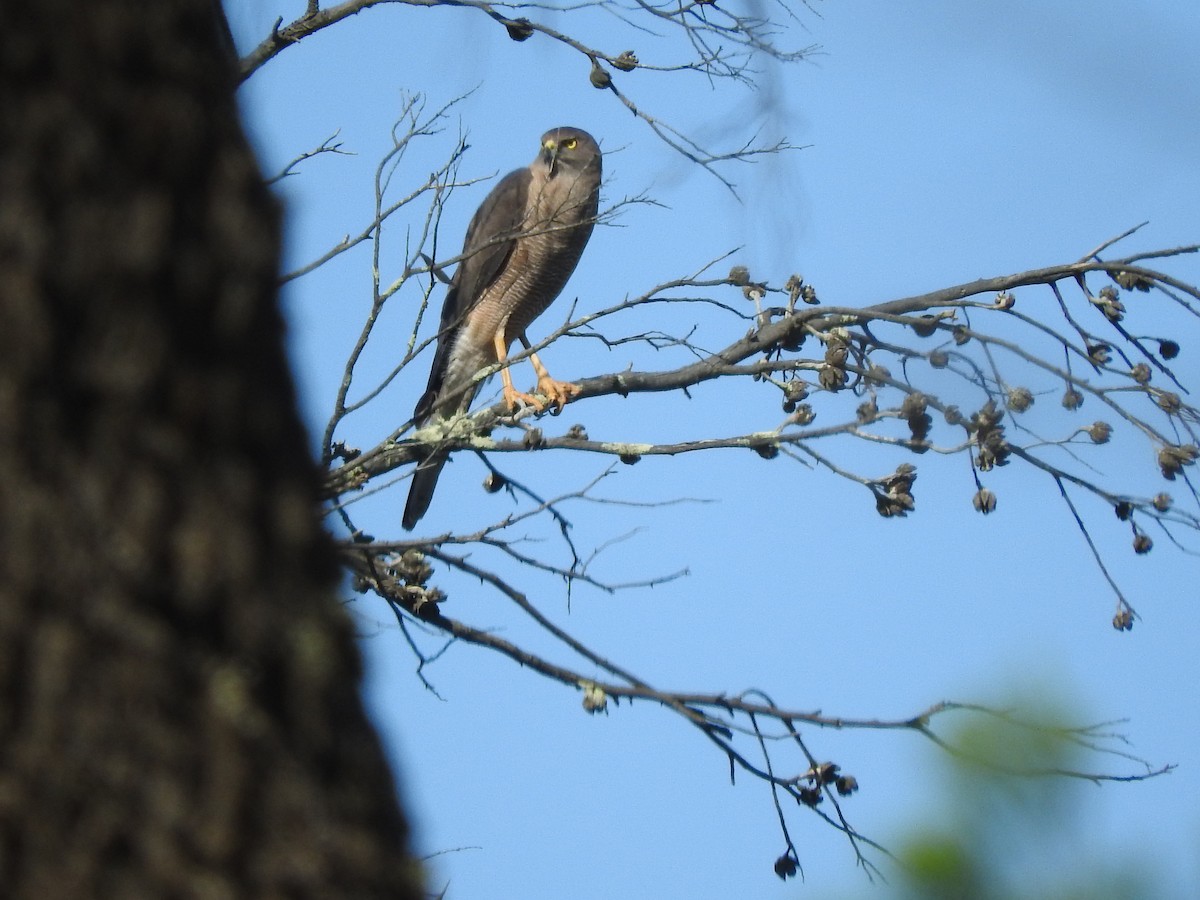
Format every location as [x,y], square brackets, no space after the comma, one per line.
[1019,399]
[1123,620]
[767,451]
[867,411]
[425,602]
[804,414]
[519,29]
[494,482]
[595,700]
[1099,354]
[1099,432]
[794,285]
[1124,509]
[989,436]
[914,404]
[1162,502]
[1132,281]
[846,785]
[1072,399]
[836,353]
[824,773]
[998,449]
[626,62]
[1005,300]
[1169,464]
[1168,402]
[894,505]
[1171,459]
[961,334]
[939,359]
[599,76]
[786,866]
[793,340]
[915,410]
[810,796]
[831,378]
[1168,349]
[984,501]
[901,480]
[926,327]
[739,275]
[1142,543]
[795,390]
[1140,373]
[1109,305]
[412,567]
[988,416]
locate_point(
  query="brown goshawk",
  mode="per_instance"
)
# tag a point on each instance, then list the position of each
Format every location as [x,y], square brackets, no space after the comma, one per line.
[521,247]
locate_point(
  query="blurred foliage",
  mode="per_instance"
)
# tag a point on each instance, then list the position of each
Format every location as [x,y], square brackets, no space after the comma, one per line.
[1005,836]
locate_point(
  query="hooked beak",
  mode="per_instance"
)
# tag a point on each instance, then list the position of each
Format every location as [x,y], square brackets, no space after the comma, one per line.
[550,155]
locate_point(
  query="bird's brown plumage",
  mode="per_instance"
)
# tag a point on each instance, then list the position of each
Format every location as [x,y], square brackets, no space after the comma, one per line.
[522,245]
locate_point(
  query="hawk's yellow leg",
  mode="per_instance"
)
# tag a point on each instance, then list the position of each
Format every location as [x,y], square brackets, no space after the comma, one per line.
[557,393]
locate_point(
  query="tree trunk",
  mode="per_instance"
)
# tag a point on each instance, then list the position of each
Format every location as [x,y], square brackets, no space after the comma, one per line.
[179,711]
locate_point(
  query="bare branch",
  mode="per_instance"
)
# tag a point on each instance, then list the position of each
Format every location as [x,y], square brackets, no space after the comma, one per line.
[706,27]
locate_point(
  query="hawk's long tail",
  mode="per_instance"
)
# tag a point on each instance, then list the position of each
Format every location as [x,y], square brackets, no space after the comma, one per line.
[420,492]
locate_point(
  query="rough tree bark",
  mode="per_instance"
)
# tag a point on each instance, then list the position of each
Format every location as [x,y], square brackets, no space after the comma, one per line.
[178,702]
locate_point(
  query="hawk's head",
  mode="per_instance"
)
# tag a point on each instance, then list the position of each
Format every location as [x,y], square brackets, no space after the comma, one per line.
[569,149]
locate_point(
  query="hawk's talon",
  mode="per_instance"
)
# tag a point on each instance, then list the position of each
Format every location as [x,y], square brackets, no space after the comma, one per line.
[558,393]
[515,399]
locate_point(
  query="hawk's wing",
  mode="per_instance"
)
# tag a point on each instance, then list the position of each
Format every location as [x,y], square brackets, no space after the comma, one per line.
[490,239]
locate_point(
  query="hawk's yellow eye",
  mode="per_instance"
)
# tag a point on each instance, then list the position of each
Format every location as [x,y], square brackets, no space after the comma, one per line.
[570,144]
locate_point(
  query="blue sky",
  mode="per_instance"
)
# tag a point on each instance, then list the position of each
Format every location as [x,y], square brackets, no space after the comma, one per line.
[942,142]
